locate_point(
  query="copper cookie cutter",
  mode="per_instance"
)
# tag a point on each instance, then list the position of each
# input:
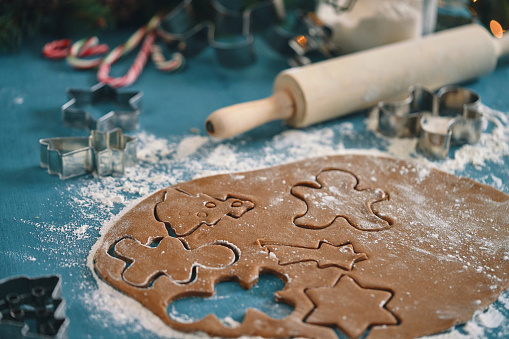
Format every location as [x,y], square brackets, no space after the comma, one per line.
[450,116]
[102,153]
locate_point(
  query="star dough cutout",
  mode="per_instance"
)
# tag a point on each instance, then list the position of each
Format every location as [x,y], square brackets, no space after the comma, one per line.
[338,196]
[326,255]
[350,307]
[126,117]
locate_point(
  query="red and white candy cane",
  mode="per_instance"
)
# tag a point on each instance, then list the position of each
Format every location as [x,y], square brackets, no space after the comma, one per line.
[59,49]
[76,52]
[140,61]
[86,47]
[164,65]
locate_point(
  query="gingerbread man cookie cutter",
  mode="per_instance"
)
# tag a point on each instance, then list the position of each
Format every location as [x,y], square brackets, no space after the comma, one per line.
[102,153]
[25,302]
[450,116]
[75,113]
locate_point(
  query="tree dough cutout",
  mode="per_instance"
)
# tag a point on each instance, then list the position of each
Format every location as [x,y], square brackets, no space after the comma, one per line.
[185,212]
[367,246]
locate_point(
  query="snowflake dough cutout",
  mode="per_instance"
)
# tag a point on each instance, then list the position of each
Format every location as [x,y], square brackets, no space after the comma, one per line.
[337,196]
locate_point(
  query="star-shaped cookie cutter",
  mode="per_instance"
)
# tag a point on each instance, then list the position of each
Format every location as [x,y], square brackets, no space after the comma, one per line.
[102,153]
[75,114]
[451,115]
[32,308]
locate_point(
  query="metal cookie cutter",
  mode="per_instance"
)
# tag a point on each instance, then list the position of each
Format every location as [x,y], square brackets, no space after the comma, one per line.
[230,32]
[401,118]
[102,153]
[458,121]
[32,308]
[451,116]
[316,41]
[75,113]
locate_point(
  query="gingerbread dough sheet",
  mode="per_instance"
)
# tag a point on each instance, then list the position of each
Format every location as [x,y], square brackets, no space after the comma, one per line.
[364,245]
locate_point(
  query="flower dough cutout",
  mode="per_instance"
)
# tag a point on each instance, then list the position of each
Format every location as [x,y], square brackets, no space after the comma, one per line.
[171,258]
[185,212]
[326,255]
[338,196]
[350,307]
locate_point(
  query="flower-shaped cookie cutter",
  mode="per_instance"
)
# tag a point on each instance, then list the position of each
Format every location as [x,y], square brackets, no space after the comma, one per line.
[75,113]
[32,308]
[450,116]
[102,153]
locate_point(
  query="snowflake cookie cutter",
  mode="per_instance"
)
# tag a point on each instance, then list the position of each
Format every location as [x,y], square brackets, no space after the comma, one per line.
[32,308]
[102,153]
[450,116]
[76,115]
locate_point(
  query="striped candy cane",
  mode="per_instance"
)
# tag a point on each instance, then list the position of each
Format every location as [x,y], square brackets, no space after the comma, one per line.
[140,61]
[164,65]
[75,53]
[86,47]
[59,49]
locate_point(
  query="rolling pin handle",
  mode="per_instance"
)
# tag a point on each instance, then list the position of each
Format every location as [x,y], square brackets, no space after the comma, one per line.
[236,119]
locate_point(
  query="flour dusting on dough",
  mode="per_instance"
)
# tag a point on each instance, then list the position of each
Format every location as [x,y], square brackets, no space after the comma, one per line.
[161,164]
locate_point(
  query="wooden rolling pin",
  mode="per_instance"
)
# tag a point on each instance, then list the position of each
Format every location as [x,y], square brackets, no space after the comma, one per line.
[328,89]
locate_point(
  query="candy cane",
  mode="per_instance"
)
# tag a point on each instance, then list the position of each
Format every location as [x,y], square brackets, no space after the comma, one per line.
[59,49]
[134,71]
[164,65]
[139,62]
[86,47]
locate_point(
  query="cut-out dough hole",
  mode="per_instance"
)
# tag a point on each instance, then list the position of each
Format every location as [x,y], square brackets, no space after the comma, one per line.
[230,302]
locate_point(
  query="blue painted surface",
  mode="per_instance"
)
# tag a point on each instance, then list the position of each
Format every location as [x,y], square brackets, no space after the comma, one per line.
[34,204]
[230,301]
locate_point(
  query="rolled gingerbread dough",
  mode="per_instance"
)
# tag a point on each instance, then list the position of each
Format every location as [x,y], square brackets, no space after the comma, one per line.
[364,245]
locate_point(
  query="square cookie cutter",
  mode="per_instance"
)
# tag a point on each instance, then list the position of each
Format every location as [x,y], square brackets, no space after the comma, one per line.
[450,116]
[75,115]
[102,153]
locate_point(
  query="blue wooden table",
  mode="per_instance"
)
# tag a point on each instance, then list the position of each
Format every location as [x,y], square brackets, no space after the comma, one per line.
[49,226]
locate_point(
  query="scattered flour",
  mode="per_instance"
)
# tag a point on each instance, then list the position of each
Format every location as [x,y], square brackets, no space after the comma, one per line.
[167,161]
[492,318]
